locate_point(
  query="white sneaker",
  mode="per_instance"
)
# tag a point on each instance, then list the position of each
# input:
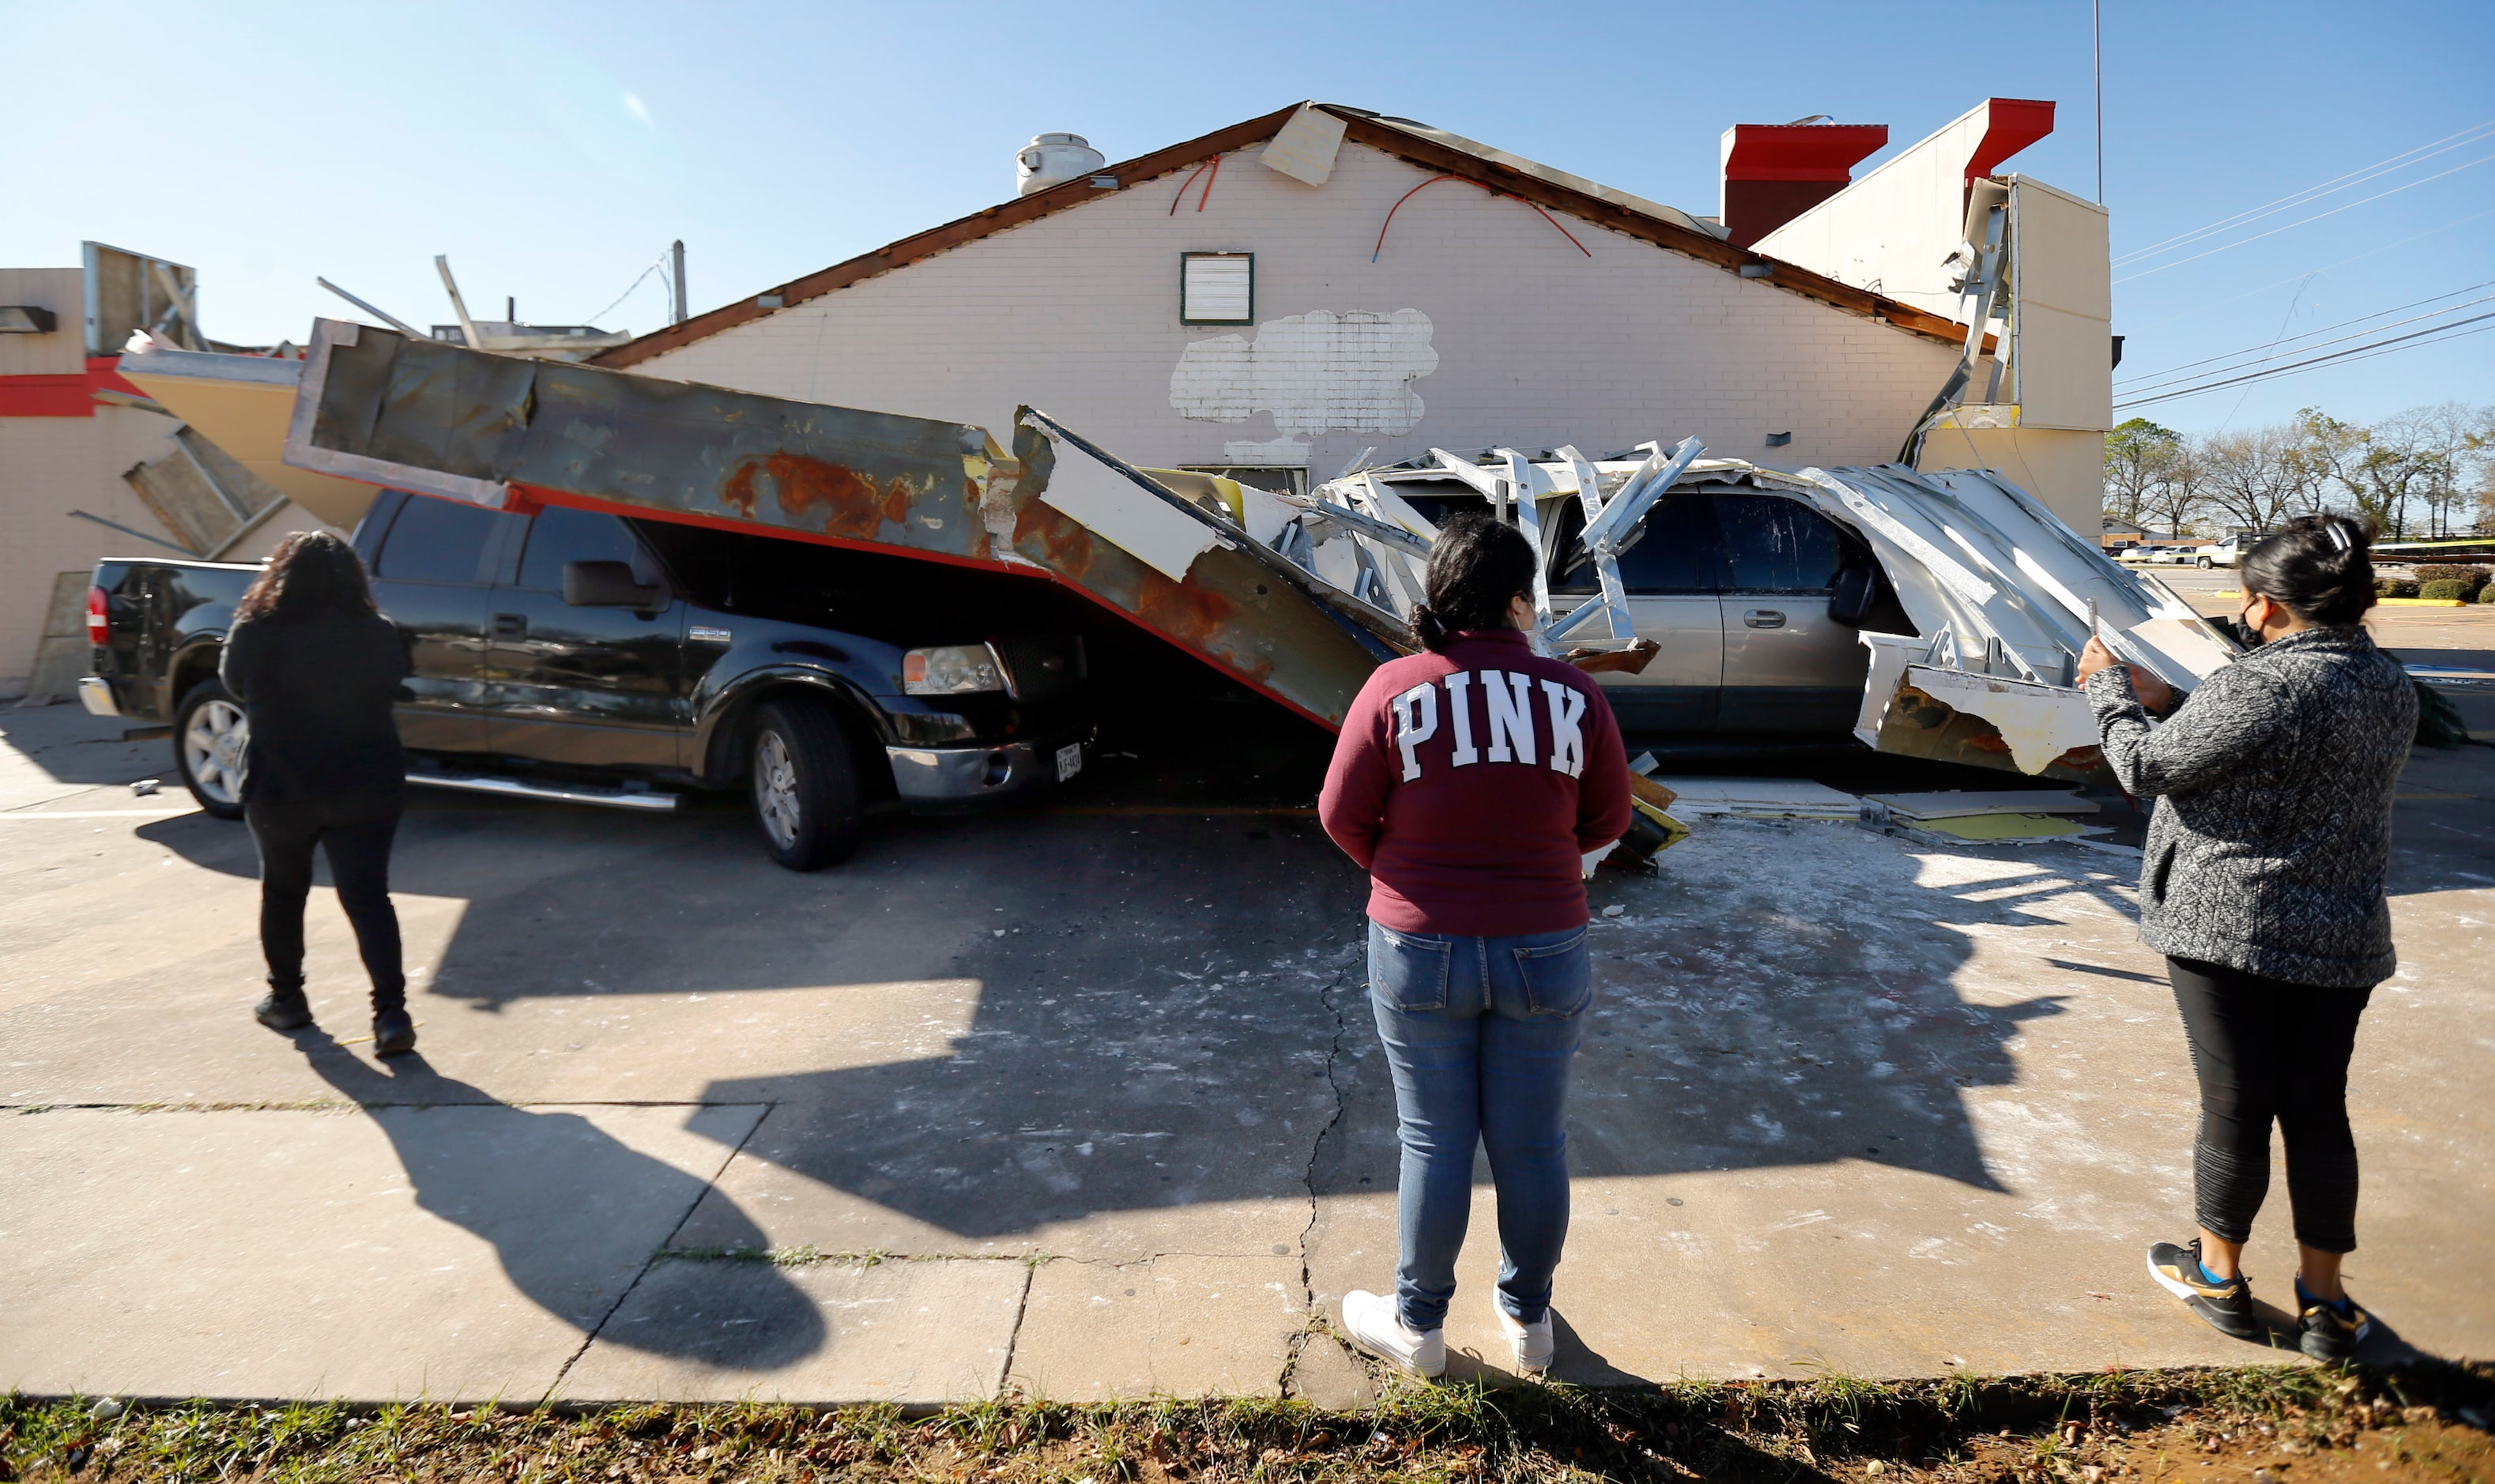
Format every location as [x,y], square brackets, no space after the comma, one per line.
[1531,1343]
[1376,1327]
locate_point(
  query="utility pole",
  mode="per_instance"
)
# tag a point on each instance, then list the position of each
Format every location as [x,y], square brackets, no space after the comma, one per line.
[2096,26]
[676,254]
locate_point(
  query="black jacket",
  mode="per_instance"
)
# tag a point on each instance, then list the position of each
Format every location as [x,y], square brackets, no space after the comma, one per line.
[319,695]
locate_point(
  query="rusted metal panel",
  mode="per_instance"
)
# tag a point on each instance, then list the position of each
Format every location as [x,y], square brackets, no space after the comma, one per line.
[441,420]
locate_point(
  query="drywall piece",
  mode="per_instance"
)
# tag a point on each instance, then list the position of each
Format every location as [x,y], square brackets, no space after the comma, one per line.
[1306,147]
[2039,723]
[1956,803]
[1320,372]
[2007,826]
[1768,797]
[1138,522]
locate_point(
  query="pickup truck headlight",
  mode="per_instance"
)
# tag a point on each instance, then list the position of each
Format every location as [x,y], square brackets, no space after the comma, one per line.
[951,669]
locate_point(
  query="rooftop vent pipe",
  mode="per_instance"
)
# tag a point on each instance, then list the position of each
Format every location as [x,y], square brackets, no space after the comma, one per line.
[1053,159]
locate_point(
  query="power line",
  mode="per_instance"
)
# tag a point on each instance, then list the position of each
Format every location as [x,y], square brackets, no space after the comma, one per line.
[2158,377]
[2437,333]
[2422,153]
[2206,305]
[2315,217]
[655,267]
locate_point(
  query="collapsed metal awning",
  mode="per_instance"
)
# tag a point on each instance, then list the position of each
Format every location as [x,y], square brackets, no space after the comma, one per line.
[498,431]
[1297,597]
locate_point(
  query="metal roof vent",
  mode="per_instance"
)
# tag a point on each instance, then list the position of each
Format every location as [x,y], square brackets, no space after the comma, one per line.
[1053,159]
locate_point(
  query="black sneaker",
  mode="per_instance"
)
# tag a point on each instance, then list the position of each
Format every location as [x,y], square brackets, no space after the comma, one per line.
[2227,1306]
[393,1032]
[2328,1334]
[283,1009]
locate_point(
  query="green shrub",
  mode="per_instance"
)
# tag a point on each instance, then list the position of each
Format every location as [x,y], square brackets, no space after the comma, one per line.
[2486,594]
[2448,589]
[2393,587]
[2472,578]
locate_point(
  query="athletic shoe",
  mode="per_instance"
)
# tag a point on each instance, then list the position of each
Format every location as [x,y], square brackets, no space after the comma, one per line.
[393,1034]
[2329,1335]
[1531,1343]
[282,1010]
[2227,1306]
[1375,1327]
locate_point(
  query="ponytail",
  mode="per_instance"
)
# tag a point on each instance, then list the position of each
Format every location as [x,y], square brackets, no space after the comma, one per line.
[2320,568]
[1476,566]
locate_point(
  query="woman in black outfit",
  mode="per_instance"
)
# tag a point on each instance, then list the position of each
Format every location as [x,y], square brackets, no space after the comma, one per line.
[317,670]
[2262,884]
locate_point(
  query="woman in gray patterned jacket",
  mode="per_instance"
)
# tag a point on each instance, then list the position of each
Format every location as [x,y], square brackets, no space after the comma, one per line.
[2262,884]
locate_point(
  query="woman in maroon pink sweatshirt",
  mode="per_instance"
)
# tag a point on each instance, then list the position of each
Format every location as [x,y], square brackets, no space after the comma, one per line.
[1470,782]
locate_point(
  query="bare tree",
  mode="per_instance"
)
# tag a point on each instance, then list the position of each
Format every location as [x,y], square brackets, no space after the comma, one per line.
[2254,478]
[2176,501]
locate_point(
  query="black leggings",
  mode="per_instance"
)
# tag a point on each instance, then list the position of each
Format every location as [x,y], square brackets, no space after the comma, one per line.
[354,830]
[2268,1050]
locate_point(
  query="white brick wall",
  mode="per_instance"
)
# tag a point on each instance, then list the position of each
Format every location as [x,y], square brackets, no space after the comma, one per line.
[1077,312]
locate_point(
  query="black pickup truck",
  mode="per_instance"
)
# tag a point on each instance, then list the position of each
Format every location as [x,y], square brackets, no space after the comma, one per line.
[576,654]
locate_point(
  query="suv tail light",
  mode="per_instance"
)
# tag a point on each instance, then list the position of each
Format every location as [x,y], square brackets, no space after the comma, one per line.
[98,617]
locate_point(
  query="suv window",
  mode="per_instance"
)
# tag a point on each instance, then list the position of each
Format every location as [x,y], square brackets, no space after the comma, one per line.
[560,535]
[434,541]
[1673,550]
[1774,545]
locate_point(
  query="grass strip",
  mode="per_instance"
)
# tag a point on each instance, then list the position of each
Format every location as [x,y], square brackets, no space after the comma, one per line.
[2032,1430]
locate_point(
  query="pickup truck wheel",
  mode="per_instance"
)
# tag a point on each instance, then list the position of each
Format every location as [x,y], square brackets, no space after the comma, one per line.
[2206,563]
[210,735]
[805,796]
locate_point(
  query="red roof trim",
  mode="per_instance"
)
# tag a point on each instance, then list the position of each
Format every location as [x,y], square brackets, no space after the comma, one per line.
[63,394]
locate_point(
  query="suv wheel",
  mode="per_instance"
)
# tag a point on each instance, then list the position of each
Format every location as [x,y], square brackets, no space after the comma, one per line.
[210,735]
[805,798]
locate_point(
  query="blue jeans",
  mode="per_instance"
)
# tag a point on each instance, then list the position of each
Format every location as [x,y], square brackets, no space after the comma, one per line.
[1480,1032]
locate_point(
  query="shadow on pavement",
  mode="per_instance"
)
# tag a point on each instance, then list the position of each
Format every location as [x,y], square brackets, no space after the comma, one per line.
[546,1188]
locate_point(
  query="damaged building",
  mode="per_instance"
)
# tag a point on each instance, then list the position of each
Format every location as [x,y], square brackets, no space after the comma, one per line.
[1273,299]
[91,464]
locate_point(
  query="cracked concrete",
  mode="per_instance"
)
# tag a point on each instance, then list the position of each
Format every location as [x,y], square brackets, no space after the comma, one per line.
[1085,1104]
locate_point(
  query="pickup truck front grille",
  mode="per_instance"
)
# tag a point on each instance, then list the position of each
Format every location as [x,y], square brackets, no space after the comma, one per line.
[1042,667]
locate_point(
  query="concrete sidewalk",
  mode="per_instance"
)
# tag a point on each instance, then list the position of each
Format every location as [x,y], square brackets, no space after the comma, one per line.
[1088,1103]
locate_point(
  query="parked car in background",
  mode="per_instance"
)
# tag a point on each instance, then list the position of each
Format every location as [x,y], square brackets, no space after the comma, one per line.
[1755,599]
[583,656]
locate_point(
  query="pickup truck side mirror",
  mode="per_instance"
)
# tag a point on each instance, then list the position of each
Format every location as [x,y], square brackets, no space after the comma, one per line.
[608,585]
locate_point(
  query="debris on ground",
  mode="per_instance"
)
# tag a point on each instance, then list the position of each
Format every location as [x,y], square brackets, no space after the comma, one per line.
[1760,798]
[2282,1425]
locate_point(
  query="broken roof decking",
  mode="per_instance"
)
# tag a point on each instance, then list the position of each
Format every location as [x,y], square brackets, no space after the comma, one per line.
[1415,143]
[443,420]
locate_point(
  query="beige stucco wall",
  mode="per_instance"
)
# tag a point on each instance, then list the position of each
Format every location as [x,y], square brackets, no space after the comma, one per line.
[49,466]
[1535,342]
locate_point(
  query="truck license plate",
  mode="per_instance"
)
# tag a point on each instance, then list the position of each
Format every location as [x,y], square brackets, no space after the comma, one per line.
[1069,760]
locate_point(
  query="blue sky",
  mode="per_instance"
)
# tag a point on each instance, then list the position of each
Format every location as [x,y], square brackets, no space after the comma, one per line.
[553,151]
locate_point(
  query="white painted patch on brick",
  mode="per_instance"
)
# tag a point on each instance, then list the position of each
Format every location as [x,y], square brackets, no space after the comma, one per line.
[1319,372]
[1279,452]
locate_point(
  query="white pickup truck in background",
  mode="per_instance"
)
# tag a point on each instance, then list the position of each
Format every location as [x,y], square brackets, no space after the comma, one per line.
[2225,552]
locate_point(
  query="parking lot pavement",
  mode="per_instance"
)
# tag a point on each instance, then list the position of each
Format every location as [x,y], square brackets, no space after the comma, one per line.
[1085,1101]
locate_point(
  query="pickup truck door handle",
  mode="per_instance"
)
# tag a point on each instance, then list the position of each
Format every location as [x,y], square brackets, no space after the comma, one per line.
[510,626]
[1763,618]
